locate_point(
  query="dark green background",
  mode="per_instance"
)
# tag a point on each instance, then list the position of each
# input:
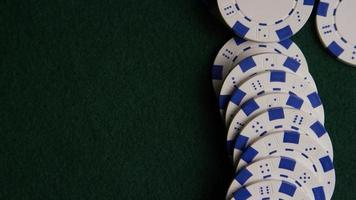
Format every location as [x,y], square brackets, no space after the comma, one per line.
[112,99]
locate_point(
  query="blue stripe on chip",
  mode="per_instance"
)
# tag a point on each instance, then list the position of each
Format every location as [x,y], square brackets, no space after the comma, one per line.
[335,49]
[216,72]
[327,163]
[323,9]
[284,33]
[243,176]
[291,137]
[287,163]
[249,107]
[292,64]
[295,102]
[249,154]
[241,142]
[247,63]
[319,193]
[318,129]
[240,29]
[286,43]
[314,99]
[223,101]
[287,188]
[275,113]
[278,76]
[237,96]
[309,2]
[242,194]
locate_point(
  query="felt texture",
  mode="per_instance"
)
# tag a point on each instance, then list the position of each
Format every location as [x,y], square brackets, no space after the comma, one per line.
[113,100]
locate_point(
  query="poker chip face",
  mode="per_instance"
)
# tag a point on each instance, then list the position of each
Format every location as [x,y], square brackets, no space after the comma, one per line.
[236,49]
[265,21]
[269,82]
[281,119]
[257,64]
[271,189]
[337,28]
[279,168]
[301,147]
[260,104]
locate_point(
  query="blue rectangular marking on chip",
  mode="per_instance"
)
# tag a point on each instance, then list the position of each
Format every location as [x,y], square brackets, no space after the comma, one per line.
[286,163]
[237,96]
[278,76]
[322,9]
[249,154]
[327,163]
[286,43]
[314,99]
[287,188]
[240,29]
[247,64]
[291,64]
[275,113]
[318,129]
[284,33]
[242,194]
[223,101]
[295,102]
[241,142]
[309,2]
[249,107]
[243,176]
[216,72]
[230,145]
[291,137]
[319,193]
[239,40]
[335,49]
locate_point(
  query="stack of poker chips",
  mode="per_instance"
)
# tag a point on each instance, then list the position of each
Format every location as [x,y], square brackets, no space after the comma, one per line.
[270,105]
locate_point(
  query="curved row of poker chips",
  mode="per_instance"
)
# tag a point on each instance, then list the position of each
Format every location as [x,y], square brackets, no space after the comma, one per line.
[271,108]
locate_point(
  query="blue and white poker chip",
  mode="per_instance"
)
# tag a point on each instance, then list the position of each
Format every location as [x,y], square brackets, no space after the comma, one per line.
[336,27]
[237,49]
[279,168]
[270,189]
[295,145]
[269,82]
[281,119]
[257,64]
[265,21]
[260,104]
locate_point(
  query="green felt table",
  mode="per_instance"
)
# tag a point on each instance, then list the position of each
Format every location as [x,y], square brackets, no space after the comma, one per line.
[113,100]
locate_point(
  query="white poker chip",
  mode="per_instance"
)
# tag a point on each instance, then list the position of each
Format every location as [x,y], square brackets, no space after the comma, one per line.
[260,104]
[270,189]
[281,119]
[237,49]
[337,28]
[257,64]
[265,21]
[294,145]
[269,82]
[279,168]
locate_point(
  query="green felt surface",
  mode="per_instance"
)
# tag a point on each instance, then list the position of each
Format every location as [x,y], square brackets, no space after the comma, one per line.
[113,100]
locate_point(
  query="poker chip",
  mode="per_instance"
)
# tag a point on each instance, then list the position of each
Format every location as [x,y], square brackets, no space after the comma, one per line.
[337,29]
[265,21]
[279,168]
[237,49]
[281,119]
[294,145]
[260,104]
[269,101]
[257,64]
[270,189]
[269,82]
